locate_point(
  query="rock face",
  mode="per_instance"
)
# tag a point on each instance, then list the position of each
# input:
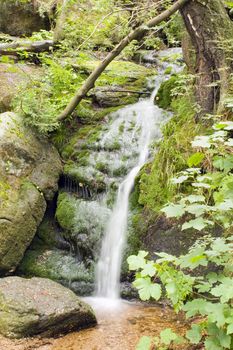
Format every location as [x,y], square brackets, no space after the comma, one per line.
[29,171]
[21,17]
[12,77]
[40,306]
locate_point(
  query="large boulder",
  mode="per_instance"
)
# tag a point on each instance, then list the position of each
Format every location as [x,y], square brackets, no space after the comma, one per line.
[40,306]
[29,172]
[24,17]
[12,78]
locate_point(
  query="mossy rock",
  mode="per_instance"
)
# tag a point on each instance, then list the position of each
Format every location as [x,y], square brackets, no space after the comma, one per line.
[29,172]
[40,306]
[164,95]
[24,16]
[13,76]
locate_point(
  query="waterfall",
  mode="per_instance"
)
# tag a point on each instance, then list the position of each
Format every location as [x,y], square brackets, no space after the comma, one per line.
[148,121]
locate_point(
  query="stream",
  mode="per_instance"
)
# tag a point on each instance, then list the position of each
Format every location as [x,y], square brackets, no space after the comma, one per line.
[120,323]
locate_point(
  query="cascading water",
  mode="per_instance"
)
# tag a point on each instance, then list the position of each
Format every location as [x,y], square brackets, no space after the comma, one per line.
[148,120]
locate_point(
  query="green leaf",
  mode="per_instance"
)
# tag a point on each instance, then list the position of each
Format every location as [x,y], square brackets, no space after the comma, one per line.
[212,344]
[225,206]
[223,163]
[136,262]
[144,343]
[198,224]
[197,209]
[195,198]
[147,289]
[167,336]
[200,185]
[194,334]
[230,329]
[195,159]
[229,142]
[155,291]
[202,142]
[194,259]
[149,269]
[195,307]
[174,210]
[226,125]
[216,313]
[224,290]
[180,179]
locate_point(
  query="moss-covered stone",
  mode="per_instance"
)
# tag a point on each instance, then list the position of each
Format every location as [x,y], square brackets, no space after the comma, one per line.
[40,306]
[66,211]
[29,171]
[25,17]
[12,76]
[164,95]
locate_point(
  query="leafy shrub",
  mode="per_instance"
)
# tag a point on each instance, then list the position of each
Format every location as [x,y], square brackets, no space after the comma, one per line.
[209,203]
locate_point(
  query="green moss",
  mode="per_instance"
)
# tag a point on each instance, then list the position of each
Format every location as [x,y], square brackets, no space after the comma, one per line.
[65,213]
[155,186]
[164,96]
[56,265]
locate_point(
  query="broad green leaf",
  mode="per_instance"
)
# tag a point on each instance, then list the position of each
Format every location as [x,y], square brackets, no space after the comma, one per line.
[194,334]
[167,336]
[136,262]
[203,287]
[147,289]
[149,269]
[225,206]
[201,142]
[230,328]
[212,344]
[174,210]
[198,224]
[194,259]
[195,159]
[220,246]
[197,209]
[180,179]
[229,142]
[200,185]
[165,257]
[223,163]
[195,307]
[195,198]
[155,291]
[215,313]
[144,343]
[226,125]
[224,290]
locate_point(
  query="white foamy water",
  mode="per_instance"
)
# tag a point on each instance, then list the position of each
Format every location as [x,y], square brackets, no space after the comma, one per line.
[148,119]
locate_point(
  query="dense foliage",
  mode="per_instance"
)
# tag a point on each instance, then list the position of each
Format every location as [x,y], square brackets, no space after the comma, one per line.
[188,280]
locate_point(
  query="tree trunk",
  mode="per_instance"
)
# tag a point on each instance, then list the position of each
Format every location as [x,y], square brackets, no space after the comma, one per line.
[134,35]
[211,30]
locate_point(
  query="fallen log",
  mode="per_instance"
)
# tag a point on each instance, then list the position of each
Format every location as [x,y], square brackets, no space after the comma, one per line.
[15,48]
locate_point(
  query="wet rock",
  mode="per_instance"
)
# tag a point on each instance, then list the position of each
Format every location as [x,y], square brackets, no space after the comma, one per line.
[114,96]
[29,171]
[40,306]
[23,17]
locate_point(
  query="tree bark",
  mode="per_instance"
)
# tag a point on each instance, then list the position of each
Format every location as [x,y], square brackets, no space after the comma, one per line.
[211,30]
[134,35]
